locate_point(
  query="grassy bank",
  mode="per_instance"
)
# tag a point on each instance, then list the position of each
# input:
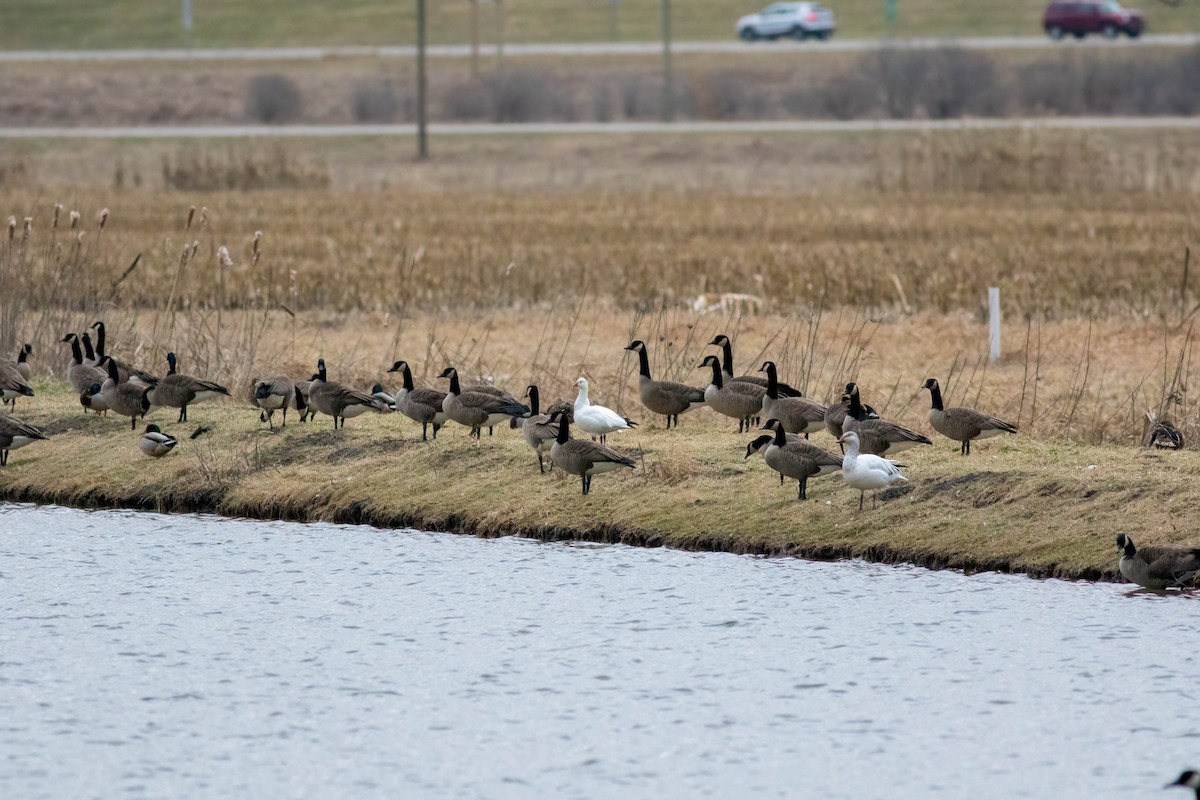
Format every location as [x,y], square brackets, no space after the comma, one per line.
[1022,505]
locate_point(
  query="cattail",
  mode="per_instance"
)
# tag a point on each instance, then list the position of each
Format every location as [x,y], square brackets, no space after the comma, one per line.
[79,238]
[191,214]
[223,257]
[27,230]
[58,207]
[195,247]
[103,218]
[203,216]
[293,286]
[257,247]
[74,220]
[12,227]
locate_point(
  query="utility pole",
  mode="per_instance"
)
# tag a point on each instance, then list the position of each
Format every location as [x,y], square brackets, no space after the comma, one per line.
[186,15]
[668,99]
[422,138]
[474,20]
[500,34]
[613,30]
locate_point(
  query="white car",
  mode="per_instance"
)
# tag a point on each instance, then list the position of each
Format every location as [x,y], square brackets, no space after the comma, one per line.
[797,20]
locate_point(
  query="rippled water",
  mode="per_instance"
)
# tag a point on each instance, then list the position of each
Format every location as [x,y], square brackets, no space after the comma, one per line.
[149,655]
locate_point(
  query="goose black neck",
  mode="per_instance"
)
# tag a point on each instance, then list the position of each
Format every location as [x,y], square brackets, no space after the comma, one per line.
[87,348]
[935,392]
[716,370]
[727,355]
[772,380]
[75,351]
[533,401]
[112,371]
[855,409]
[21,357]
[321,374]
[562,429]
[780,436]
[454,387]
[406,376]
[100,339]
[170,363]
[644,362]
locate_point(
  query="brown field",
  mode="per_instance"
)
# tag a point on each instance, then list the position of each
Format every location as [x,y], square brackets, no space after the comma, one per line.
[881,282]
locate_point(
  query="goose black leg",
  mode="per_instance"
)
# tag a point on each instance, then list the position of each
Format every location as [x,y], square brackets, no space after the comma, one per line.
[541,466]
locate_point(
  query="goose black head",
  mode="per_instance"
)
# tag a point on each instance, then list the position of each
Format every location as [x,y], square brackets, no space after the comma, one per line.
[846,400]
[316,377]
[531,390]
[262,390]
[27,349]
[709,361]
[1125,545]
[171,362]
[719,341]
[851,388]
[448,372]
[930,384]
[397,367]
[1188,778]
[636,344]
[771,425]
[97,326]
[758,444]
[70,337]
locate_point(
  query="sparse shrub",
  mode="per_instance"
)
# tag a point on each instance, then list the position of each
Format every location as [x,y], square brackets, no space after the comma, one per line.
[377,101]
[525,95]
[850,95]
[273,99]
[467,102]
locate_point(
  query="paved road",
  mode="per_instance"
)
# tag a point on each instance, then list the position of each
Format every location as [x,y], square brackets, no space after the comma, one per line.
[590,128]
[585,49]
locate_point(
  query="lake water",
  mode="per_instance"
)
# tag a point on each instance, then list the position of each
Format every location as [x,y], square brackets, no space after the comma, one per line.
[144,655]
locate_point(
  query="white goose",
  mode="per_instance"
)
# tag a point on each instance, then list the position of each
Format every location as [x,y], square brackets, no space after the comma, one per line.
[866,472]
[597,420]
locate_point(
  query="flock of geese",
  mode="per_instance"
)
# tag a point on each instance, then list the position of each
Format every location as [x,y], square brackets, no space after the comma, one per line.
[106,384]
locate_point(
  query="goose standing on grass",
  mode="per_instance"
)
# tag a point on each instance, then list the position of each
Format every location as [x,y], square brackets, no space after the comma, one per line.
[15,434]
[597,420]
[180,391]
[277,393]
[798,459]
[420,405]
[12,385]
[760,445]
[335,399]
[583,457]
[835,415]
[866,472]
[308,412]
[22,363]
[91,400]
[798,414]
[539,430]
[663,397]
[476,409]
[739,399]
[726,346]
[155,443]
[1158,566]
[127,371]
[82,375]
[127,398]
[878,436]
[1188,779]
[962,424]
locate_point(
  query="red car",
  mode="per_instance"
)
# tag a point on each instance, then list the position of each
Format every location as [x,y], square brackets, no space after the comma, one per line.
[1105,17]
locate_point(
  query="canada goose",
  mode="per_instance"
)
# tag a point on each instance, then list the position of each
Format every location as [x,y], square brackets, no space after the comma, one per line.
[384,401]
[12,384]
[89,353]
[865,471]
[155,443]
[494,391]
[664,397]
[79,373]
[878,436]
[797,459]
[335,399]
[739,399]
[308,412]
[127,371]
[1162,435]
[22,364]
[962,424]
[277,393]
[1189,779]
[726,346]
[597,420]
[180,391]
[91,400]
[420,405]
[584,458]
[15,434]
[836,413]
[798,414]
[126,398]
[477,409]
[1158,566]
[538,429]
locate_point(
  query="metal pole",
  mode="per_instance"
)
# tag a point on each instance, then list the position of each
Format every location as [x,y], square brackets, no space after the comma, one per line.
[499,34]
[187,15]
[474,38]
[994,322]
[613,31]
[668,100]
[422,138]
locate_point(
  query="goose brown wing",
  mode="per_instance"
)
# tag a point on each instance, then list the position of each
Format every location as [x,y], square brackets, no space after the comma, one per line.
[818,455]
[11,426]
[427,397]
[596,452]
[1177,561]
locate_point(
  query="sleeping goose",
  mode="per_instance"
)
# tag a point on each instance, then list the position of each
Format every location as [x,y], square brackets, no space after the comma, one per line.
[962,424]
[798,414]
[126,398]
[15,434]
[1158,566]
[155,443]
[597,420]
[274,394]
[866,472]
[726,346]
[127,371]
[335,399]
[797,459]
[739,399]
[477,409]
[664,397]
[583,457]
[180,391]
[420,405]
[538,429]
[878,436]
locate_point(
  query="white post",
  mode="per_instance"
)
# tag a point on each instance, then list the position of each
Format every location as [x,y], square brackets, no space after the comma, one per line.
[994,322]
[187,15]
